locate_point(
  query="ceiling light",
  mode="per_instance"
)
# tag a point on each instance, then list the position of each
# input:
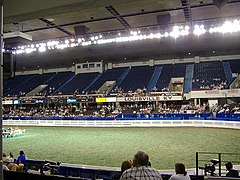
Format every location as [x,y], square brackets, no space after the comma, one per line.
[72,39]
[199,30]
[42,49]
[66,41]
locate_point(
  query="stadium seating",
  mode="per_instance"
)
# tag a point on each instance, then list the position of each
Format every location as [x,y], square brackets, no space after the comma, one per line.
[207,75]
[11,84]
[78,83]
[32,82]
[109,75]
[203,75]
[169,71]
[235,66]
[57,81]
[138,77]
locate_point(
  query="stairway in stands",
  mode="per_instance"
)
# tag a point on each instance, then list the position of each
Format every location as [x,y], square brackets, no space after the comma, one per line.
[121,78]
[188,78]
[87,87]
[155,76]
[228,71]
[59,89]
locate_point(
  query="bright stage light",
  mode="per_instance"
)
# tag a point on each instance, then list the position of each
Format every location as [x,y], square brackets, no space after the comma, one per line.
[177,31]
[227,27]
[66,41]
[199,30]
[42,49]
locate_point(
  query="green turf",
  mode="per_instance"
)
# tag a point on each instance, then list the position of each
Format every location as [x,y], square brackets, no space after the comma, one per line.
[110,146]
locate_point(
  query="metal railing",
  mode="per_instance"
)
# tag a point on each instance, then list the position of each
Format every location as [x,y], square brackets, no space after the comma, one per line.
[216,160]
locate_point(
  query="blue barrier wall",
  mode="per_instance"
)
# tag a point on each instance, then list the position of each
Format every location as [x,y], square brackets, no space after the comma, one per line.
[204,116]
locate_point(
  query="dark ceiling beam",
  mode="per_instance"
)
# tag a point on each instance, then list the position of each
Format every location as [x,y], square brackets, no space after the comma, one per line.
[130,15]
[187,10]
[116,14]
[51,24]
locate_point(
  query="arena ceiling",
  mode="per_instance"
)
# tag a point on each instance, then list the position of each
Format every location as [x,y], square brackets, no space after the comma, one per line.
[52,19]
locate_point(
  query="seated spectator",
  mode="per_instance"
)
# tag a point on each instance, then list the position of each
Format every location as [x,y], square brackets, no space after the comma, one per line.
[181,174]
[11,158]
[140,169]
[5,168]
[10,165]
[231,172]
[21,161]
[125,165]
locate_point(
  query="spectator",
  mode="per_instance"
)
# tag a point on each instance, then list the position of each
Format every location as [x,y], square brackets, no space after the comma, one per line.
[231,172]
[10,165]
[21,160]
[11,158]
[181,173]
[125,165]
[5,168]
[140,169]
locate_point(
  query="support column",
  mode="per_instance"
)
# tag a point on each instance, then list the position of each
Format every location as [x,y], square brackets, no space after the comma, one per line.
[1,83]
[195,101]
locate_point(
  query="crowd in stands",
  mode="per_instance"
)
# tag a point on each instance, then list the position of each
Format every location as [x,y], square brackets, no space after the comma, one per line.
[214,86]
[113,111]
[63,111]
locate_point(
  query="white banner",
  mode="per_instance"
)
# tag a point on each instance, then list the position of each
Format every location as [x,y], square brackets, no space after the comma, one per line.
[164,97]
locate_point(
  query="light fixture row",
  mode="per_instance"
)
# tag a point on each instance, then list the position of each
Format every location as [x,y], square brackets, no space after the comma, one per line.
[177,31]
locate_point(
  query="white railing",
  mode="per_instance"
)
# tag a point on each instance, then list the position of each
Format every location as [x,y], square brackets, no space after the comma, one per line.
[125,123]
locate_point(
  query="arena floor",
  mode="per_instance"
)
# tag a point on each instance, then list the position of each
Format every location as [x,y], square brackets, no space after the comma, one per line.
[110,146]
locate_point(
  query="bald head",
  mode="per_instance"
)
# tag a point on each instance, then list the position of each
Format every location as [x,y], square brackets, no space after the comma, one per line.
[141,159]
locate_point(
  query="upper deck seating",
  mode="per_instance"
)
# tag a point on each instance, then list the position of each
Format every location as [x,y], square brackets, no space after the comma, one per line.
[208,75]
[138,77]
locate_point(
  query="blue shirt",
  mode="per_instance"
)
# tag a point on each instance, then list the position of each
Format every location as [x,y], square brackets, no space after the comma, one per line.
[21,160]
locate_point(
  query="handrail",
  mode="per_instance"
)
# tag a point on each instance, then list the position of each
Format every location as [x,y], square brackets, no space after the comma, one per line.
[211,168]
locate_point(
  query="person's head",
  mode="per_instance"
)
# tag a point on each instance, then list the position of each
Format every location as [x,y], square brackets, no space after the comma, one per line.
[21,153]
[11,154]
[4,155]
[126,165]
[180,169]
[140,159]
[229,166]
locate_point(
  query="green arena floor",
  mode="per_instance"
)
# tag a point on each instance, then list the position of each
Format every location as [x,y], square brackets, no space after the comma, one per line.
[110,146]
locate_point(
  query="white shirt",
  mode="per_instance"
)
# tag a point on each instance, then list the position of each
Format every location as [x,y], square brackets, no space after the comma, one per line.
[180,177]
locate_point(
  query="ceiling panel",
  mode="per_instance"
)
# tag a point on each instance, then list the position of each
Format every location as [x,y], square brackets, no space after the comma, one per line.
[80,16]
[211,12]
[47,34]
[149,5]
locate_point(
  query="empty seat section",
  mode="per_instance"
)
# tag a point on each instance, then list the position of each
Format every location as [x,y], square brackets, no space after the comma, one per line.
[11,84]
[165,77]
[179,70]
[109,75]
[78,83]
[208,75]
[235,66]
[138,77]
[57,81]
[34,82]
